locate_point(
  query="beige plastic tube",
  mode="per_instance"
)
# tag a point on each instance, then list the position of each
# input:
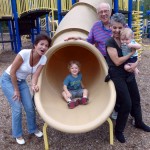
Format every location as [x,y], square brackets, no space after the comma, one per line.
[49,102]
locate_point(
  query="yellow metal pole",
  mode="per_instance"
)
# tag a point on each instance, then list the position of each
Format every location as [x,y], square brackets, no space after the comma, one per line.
[138,5]
[18,7]
[111,131]
[45,136]
[26,4]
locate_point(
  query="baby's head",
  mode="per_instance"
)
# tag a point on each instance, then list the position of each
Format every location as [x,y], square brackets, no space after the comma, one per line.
[126,35]
[74,67]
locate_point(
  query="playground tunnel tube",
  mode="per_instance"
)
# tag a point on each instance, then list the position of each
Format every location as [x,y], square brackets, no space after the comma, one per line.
[49,102]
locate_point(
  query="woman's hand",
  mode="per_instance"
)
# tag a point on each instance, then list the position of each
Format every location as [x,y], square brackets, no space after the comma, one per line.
[35,77]
[132,67]
[35,88]
[112,52]
[16,95]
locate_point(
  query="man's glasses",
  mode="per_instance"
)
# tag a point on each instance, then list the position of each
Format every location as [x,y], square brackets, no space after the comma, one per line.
[103,12]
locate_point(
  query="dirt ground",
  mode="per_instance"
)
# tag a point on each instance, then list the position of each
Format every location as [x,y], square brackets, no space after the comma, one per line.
[97,139]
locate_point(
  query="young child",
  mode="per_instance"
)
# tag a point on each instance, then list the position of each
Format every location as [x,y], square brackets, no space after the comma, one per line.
[73,86]
[127,44]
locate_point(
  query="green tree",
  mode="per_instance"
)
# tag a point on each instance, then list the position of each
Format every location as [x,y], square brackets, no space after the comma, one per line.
[146,5]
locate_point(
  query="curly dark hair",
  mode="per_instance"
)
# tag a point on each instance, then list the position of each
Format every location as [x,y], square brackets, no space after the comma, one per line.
[42,36]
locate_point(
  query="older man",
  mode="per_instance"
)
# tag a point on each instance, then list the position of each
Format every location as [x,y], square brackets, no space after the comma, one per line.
[100,31]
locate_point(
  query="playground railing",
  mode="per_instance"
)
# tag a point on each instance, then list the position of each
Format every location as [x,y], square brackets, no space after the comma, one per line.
[5,11]
[137,27]
[24,6]
[123,5]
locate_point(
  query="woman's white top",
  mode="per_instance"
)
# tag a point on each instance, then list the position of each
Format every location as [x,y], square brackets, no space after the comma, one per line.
[25,68]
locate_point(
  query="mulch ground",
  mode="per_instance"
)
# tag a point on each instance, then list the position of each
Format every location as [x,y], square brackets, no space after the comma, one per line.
[97,139]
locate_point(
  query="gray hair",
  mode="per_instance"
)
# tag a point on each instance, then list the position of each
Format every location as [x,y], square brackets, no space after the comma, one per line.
[118,17]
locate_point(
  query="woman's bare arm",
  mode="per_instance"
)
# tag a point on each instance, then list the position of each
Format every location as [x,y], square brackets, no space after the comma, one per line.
[35,77]
[15,66]
[112,52]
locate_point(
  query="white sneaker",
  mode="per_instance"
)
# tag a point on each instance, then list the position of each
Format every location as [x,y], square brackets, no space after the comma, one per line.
[20,141]
[114,115]
[38,134]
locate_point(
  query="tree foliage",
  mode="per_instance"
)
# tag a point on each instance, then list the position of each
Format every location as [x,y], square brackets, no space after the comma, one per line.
[144,6]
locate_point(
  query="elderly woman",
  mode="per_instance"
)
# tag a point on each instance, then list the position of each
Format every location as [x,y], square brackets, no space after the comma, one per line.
[128,96]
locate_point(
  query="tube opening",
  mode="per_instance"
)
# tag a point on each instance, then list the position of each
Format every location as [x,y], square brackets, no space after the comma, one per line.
[93,69]
[57,66]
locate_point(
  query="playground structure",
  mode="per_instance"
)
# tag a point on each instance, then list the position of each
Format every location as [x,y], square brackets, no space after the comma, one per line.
[137,27]
[30,17]
[23,17]
[20,16]
[147,24]
[49,103]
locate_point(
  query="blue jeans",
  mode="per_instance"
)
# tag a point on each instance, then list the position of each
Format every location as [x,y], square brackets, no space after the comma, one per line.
[16,105]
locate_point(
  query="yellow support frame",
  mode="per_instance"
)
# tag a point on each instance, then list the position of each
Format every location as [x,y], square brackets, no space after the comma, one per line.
[123,5]
[46,137]
[5,8]
[137,28]
[24,6]
[65,4]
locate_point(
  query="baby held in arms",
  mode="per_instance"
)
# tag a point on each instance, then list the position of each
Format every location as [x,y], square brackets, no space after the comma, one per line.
[127,45]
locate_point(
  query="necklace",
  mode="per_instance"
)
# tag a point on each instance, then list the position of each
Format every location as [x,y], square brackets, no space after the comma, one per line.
[34,58]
